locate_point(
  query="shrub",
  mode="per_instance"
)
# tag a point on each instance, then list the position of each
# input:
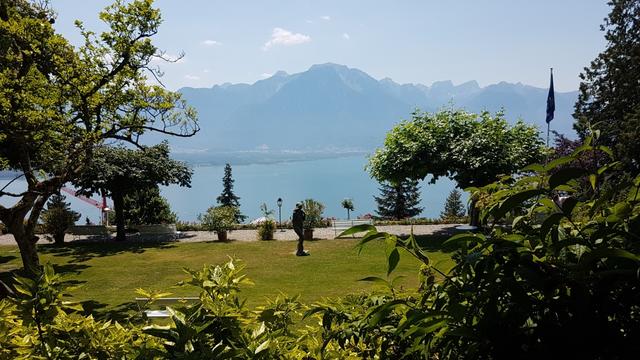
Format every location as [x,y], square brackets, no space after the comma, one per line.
[57,218]
[313,213]
[188,226]
[266,229]
[218,218]
[39,324]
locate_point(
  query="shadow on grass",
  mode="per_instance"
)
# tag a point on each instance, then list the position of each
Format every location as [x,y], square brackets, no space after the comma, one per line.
[436,240]
[124,312]
[6,259]
[83,251]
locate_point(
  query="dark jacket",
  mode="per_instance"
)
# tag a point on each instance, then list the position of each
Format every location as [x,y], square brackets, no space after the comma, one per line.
[298,218]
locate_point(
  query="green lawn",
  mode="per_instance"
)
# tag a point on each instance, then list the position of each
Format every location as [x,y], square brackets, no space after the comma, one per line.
[108,274]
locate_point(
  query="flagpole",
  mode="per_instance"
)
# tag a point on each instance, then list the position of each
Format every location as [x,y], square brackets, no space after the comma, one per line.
[548,121]
[551,107]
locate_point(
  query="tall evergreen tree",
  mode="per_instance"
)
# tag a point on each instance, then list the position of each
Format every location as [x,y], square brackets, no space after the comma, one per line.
[609,95]
[453,207]
[399,201]
[227,197]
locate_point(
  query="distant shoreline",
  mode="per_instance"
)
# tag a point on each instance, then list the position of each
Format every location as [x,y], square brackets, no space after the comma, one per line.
[243,158]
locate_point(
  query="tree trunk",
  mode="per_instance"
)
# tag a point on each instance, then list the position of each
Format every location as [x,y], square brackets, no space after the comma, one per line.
[118,203]
[58,239]
[474,214]
[26,243]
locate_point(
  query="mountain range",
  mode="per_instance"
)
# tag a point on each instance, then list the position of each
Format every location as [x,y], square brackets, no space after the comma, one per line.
[331,109]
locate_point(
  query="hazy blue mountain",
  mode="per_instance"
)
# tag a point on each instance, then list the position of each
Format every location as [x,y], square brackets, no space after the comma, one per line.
[334,108]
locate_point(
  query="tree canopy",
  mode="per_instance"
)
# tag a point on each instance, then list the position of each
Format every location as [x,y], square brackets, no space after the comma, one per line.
[58,102]
[472,149]
[609,97]
[119,171]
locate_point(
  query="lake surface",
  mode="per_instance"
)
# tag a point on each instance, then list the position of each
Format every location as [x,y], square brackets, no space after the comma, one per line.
[328,181]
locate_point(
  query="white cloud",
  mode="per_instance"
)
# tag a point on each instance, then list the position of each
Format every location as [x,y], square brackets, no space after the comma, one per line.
[309,21]
[206,71]
[211,43]
[326,17]
[192,77]
[266,75]
[346,36]
[284,37]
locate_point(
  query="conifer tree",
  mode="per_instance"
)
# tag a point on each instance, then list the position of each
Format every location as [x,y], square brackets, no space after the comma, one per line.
[399,201]
[609,97]
[58,217]
[453,207]
[227,197]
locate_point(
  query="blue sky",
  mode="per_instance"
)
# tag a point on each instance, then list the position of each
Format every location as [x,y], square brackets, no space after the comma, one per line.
[408,41]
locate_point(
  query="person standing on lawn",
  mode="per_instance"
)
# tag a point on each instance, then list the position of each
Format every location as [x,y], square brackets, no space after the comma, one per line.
[298,220]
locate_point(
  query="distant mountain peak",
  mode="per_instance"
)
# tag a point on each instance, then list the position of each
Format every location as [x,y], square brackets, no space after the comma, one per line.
[445,84]
[329,65]
[280,73]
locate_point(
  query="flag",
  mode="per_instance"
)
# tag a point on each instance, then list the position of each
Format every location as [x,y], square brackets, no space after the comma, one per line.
[551,101]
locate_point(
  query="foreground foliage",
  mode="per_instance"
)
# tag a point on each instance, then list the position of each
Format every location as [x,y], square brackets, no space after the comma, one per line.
[561,276]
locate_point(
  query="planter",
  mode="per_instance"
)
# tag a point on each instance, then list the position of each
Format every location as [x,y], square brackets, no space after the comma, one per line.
[266,235]
[308,234]
[222,235]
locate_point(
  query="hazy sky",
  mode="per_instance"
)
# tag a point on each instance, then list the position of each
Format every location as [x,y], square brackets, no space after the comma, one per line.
[408,41]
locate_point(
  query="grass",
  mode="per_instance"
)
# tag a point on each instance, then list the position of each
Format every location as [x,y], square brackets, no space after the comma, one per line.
[108,273]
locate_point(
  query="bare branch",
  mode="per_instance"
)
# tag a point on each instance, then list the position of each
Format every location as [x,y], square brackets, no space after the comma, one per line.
[9,183]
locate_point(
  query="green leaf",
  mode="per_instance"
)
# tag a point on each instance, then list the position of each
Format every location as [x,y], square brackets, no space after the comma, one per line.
[264,346]
[357,229]
[562,176]
[548,223]
[514,201]
[393,259]
[371,235]
[538,168]
[380,312]
[593,179]
[466,237]
[559,161]
[598,254]
[568,205]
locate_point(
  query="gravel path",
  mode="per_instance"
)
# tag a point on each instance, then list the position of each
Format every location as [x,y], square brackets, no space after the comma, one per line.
[286,235]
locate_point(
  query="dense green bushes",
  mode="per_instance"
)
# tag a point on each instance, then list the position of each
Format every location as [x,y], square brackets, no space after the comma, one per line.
[559,281]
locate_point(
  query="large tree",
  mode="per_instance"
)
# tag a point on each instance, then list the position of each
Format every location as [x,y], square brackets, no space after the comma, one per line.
[609,98]
[58,102]
[472,149]
[227,196]
[119,171]
[399,200]
[147,206]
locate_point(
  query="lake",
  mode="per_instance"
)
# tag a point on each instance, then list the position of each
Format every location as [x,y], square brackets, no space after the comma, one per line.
[328,181]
